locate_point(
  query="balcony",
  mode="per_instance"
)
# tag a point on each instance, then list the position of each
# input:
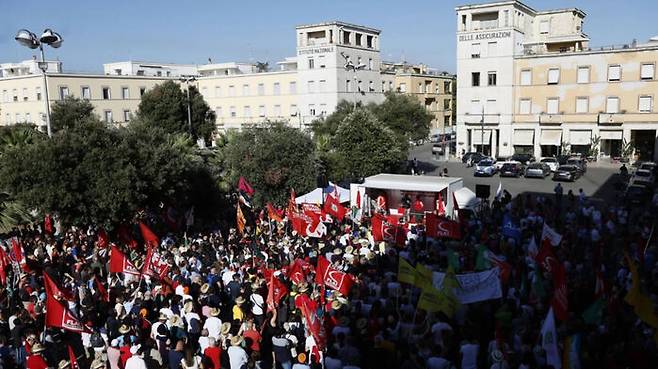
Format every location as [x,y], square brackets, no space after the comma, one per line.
[550,119]
[611,118]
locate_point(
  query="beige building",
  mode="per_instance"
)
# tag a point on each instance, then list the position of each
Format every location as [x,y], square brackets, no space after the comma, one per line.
[115,98]
[530,82]
[435,90]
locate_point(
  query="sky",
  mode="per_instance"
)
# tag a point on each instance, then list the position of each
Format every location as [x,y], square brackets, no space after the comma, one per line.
[191,31]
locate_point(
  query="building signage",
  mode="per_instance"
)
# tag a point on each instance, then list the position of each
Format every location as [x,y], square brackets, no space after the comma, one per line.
[485,36]
[316,50]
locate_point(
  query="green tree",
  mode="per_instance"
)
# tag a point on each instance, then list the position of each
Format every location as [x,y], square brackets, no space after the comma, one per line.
[362,147]
[68,113]
[274,158]
[18,135]
[405,115]
[166,106]
[329,125]
[13,214]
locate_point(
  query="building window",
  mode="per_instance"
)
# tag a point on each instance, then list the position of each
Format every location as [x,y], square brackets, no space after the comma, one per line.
[261,89]
[246,111]
[554,76]
[583,75]
[360,86]
[582,105]
[525,106]
[125,93]
[348,85]
[86,93]
[126,115]
[647,71]
[447,104]
[293,110]
[476,108]
[420,88]
[491,78]
[475,50]
[231,91]
[277,111]
[505,18]
[28,117]
[447,87]
[261,111]
[63,93]
[492,48]
[276,89]
[371,66]
[15,95]
[159,73]
[142,91]
[491,107]
[323,109]
[245,90]
[614,73]
[371,86]
[553,105]
[106,93]
[25,97]
[311,63]
[390,85]
[403,87]
[322,85]
[5,98]
[475,79]
[232,112]
[218,91]
[526,77]
[446,120]
[358,39]
[322,62]
[311,109]
[612,105]
[646,104]
[383,86]
[107,115]
[218,112]
[311,87]
[19,118]
[38,90]
[544,27]
[8,118]
[293,87]
[140,72]
[369,42]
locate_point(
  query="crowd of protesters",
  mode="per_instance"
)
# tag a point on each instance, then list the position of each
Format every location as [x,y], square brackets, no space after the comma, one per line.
[211,311]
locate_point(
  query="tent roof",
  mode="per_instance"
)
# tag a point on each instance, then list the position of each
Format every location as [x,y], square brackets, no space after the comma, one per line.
[466,199]
[404,182]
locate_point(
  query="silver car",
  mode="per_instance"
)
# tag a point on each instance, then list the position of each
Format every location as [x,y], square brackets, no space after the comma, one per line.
[486,167]
[537,170]
[551,162]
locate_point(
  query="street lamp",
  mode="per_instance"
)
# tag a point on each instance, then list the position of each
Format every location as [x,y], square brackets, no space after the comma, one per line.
[187,80]
[54,40]
[354,68]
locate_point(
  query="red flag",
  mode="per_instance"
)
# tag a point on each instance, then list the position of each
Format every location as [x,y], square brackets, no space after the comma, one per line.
[388,229]
[102,240]
[292,204]
[18,251]
[125,236]
[4,263]
[150,239]
[438,227]
[245,187]
[101,289]
[53,289]
[274,214]
[154,266]
[275,292]
[72,359]
[119,263]
[48,224]
[547,260]
[358,199]
[309,309]
[297,272]
[333,278]
[440,206]
[333,207]
[59,316]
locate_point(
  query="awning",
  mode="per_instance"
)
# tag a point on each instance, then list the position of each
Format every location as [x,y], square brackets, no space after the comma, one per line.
[550,137]
[476,137]
[611,135]
[580,137]
[409,183]
[466,199]
[524,137]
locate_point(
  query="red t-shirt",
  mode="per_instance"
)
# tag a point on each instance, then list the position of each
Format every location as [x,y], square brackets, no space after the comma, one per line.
[36,362]
[255,339]
[125,355]
[214,354]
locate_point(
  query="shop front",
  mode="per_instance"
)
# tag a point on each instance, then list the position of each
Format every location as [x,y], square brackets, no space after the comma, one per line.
[550,141]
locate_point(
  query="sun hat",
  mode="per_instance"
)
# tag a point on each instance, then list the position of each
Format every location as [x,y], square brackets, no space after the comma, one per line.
[349,249]
[236,340]
[97,364]
[205,287]
[336,305]
[123,329]
[37,347]
[303,287]
[226,327]
[240,300]
[63,364]
[337,251]
[214,312]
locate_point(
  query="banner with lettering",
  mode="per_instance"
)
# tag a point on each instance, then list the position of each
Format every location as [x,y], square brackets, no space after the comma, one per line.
[474,287]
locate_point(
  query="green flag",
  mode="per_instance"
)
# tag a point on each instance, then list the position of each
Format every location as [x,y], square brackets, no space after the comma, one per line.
[453,260]
[594,313]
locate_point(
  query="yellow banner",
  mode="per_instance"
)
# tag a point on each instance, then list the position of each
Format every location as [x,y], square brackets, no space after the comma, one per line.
[406,273]
[642,304]
[423,276]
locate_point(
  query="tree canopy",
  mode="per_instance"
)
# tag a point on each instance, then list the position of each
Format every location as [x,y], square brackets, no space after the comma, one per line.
[165,106]
[405,115]
[70,112]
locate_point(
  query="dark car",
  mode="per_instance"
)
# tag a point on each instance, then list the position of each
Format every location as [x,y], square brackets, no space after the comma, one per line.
[511,169]
[579,163]
[637,194]
[537,170]
[523,158]
[567,173]
[476,156]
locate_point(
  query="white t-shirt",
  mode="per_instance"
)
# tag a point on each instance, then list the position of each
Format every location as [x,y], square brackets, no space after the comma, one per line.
[331,363]
[437,363]
[237,357]
[437,331]
[469,353]
[214,326]
[257,304]
[135,362]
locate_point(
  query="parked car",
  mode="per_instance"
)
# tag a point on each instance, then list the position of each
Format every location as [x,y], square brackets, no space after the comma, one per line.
[524,159]
[579,163]
[567,173]
[650,165]
[500,160]
[537,170]
[643,176]
[551,162]
[511,169]
[435,137]
[437,149]
[475,156]
[486,167]
[637,194]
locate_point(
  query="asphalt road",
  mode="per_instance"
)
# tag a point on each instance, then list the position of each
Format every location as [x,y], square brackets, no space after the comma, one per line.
[600,182]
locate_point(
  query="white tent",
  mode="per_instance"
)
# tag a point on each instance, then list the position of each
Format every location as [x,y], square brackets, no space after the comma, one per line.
[466,199]
[317,196]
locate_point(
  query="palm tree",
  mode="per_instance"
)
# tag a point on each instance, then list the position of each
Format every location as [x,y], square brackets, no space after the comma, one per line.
[18,135]
[13,214]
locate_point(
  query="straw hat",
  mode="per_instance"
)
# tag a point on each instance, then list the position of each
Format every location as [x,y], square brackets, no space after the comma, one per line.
[497,356]
[236,340]
[349,249]
[188,306]
[97,364]
[337,251]
[214,312]
[301,357]
[205,287]
[302,288]
[176,321]
[63,364]
[336,305]
[36,348]
[226,327]
[124,329]
[364,242]
[240,300]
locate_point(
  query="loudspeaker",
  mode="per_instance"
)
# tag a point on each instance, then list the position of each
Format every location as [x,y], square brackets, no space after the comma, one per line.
[482,191]
[322,181]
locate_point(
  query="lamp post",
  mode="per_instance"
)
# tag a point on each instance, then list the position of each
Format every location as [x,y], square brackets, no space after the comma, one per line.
[54,40]
[187,80]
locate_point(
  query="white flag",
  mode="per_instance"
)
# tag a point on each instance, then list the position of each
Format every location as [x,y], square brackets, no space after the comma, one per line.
[549,341]
[550,234]
[499,191]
